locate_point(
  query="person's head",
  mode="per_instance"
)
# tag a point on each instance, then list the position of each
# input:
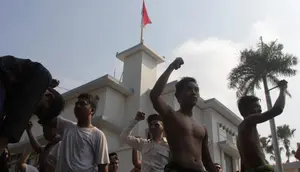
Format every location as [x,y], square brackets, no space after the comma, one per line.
[85,106]
[114,162]
[155,125]
[218,166]
[50,106]
[187,92]
[49,131]
[249,105]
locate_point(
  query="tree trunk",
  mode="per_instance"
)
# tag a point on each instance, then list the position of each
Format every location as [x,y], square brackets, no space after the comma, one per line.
[273,129]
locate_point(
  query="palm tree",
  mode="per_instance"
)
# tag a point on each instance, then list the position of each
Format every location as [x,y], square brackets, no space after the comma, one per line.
[285,133]
[266,144]
[263,65]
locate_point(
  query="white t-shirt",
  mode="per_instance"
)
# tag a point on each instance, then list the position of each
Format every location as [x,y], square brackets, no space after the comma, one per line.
[30,168]
[81,149]
[53,156]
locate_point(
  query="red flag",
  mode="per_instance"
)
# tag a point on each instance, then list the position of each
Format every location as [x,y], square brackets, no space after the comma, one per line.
[145,18]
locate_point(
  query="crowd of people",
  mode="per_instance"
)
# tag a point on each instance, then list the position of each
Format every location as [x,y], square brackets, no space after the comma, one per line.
[175,142]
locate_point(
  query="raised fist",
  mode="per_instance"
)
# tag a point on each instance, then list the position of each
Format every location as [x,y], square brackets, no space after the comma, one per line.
[140,116]
[282,84]
[54,83]
[176,64]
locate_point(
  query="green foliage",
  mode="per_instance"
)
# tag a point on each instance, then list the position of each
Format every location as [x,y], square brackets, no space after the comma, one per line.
[285,134]
[266,62]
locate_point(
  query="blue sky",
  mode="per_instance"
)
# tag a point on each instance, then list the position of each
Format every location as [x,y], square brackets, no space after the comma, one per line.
[77,40]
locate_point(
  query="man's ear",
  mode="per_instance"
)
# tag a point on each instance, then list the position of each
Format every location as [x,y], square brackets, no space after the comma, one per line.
[93,111]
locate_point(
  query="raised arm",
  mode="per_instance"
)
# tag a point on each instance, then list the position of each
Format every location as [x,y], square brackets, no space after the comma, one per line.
[132,141]
[276,110]
[61,124]
[155,95]
[34,143]
[206,158]
[297,154]
[135,159]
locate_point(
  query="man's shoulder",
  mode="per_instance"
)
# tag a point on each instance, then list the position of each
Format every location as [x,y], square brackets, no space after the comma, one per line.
[97,132]
[245,127]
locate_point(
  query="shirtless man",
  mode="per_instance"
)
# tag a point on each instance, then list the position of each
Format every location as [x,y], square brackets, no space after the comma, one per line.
[252,156]
[187,139]
[114,162]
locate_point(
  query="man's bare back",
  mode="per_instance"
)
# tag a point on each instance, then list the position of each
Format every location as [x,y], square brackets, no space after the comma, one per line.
[185,140]
[249,147]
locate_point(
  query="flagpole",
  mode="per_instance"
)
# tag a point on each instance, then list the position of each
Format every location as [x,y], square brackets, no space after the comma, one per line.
[142,27]
[142,33]
[144,21]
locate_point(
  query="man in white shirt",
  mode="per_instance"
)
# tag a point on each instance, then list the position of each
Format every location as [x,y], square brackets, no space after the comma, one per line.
[83,147]
[155,151]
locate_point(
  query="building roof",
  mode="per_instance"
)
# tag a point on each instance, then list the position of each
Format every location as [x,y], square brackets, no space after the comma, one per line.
[109,81]
[140,47]
[104,81]
[223,110]
[291,165]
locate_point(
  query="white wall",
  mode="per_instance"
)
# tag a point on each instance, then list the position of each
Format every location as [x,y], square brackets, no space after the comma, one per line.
[218,153]
[114,108]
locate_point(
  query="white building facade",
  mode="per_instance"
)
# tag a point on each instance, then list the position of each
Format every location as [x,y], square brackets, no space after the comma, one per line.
[119,102]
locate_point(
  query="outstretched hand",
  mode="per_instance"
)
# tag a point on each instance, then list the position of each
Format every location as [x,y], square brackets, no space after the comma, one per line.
[176,64]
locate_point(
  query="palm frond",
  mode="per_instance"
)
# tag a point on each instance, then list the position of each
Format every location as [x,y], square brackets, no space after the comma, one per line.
[239,74]
[268,60]
[282,66]
[249,88]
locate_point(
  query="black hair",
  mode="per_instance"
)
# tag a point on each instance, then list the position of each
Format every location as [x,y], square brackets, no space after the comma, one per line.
[244,101]
[182,83]
[153,117]
[56,106]
[113,154]
[92,100]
